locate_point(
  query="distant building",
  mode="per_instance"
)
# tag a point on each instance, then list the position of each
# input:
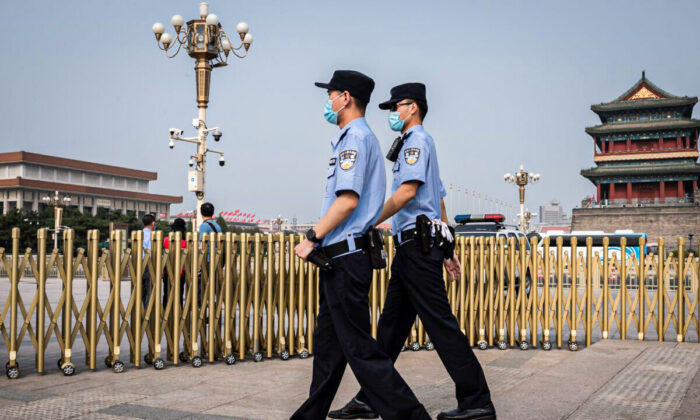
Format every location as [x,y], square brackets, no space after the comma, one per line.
[553,214]
[646,173]
[25,178]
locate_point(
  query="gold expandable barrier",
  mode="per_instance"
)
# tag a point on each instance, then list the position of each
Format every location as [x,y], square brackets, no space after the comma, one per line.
[237,296]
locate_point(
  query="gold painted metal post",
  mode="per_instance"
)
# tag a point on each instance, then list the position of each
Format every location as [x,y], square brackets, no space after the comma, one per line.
[137,315]
[533,291]
[281,347]
[93,243]
[500,291]
[545,306]
[256,294]
[606,288]
[41,305]
[194,294]
[156,286]
[291,337]
[269,310]
[489,289]
[14,290]
[680,293]
[589,290]
[68,236]
[660,286]
[211,298]
[623,288]
[116,290]
[480,278]
[573,294]
[560,291]
[177,305]
[462,286]
[242,299]
[522,295]
[228,290]
[471,281]
[310,318]
[511,292]
[642,289]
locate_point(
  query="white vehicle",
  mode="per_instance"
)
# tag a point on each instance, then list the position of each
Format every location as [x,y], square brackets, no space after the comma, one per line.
[488,225]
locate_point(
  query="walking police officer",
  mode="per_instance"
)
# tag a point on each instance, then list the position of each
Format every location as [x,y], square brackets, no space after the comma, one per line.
[355,187]
[416,285]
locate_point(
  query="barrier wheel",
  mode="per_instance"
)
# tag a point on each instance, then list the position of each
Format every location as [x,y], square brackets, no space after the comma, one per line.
[108,362]
[196,361]
[304,354]
[523,345]
[68,369]
[547,345]
[482,345]
[284,355]
[231,359]
[573,346]
[182,357]
[502,345]
[12,372]
[415,346]
[148,359]
[159,364]
[118,366]
[429,346]
[404,348]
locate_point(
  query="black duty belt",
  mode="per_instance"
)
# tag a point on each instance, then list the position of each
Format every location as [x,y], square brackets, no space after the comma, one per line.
[406,235]
[342,247]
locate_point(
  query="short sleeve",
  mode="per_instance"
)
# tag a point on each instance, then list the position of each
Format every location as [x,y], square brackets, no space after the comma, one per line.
[414,160]
[352,161]
[443,192]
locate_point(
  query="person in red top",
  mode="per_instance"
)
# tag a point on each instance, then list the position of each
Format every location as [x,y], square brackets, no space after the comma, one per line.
[177,226]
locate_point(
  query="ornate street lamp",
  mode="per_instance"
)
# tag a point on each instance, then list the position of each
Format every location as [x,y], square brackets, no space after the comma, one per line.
[521,179]
[58,202]
[280,221]
[210,46]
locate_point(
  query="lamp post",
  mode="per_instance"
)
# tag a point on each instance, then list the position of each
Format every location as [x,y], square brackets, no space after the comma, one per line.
[521,179]
[279,221]
[210,46]
[57,201]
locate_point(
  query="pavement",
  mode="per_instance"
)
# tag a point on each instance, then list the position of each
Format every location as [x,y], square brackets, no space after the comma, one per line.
[612,379]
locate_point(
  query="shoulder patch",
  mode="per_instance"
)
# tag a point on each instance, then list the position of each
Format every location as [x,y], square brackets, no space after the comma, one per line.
[411,155]
[347,159]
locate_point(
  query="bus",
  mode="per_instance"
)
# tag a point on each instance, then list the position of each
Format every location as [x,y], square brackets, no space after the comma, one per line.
[614,241]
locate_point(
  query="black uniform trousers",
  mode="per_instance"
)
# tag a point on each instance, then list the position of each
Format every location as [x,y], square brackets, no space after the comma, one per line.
[417,287]
[342,336]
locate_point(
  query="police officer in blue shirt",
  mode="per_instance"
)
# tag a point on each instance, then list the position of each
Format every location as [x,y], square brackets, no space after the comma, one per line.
[416,285]
[353,199]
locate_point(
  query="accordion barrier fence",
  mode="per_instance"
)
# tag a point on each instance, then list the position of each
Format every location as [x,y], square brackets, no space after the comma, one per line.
[228,297]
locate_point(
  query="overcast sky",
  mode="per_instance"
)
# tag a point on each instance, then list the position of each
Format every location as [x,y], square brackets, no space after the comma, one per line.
[507,83]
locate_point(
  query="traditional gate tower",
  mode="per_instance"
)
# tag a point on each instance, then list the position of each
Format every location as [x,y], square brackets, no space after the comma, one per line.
[645,149]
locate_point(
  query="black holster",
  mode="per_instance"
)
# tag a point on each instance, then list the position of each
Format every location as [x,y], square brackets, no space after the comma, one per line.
[375,248]
[319,259]
[424,234]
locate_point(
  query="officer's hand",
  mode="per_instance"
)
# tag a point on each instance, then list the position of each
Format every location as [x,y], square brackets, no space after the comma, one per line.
[304,249]
[453,267]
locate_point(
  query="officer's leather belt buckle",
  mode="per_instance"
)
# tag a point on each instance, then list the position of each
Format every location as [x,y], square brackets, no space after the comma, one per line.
[405,236]
[342,247]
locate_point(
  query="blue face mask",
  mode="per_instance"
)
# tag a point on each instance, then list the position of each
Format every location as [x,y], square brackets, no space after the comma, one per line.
[395,123]
[328,113]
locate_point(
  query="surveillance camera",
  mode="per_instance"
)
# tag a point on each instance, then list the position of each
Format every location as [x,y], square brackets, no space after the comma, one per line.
[217,135]
[195,122]
[171,144]
[222,162]
[191,162]
[175,132]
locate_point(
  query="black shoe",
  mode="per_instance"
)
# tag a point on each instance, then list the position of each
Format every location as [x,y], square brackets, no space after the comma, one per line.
[355,409]
[487,412]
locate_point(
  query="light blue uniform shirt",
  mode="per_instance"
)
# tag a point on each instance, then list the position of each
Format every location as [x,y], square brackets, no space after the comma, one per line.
[356,165]
[146,240]
[417,161]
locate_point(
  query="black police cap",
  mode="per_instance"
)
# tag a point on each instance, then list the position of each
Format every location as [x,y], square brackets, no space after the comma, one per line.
[359,85]
[414,91]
